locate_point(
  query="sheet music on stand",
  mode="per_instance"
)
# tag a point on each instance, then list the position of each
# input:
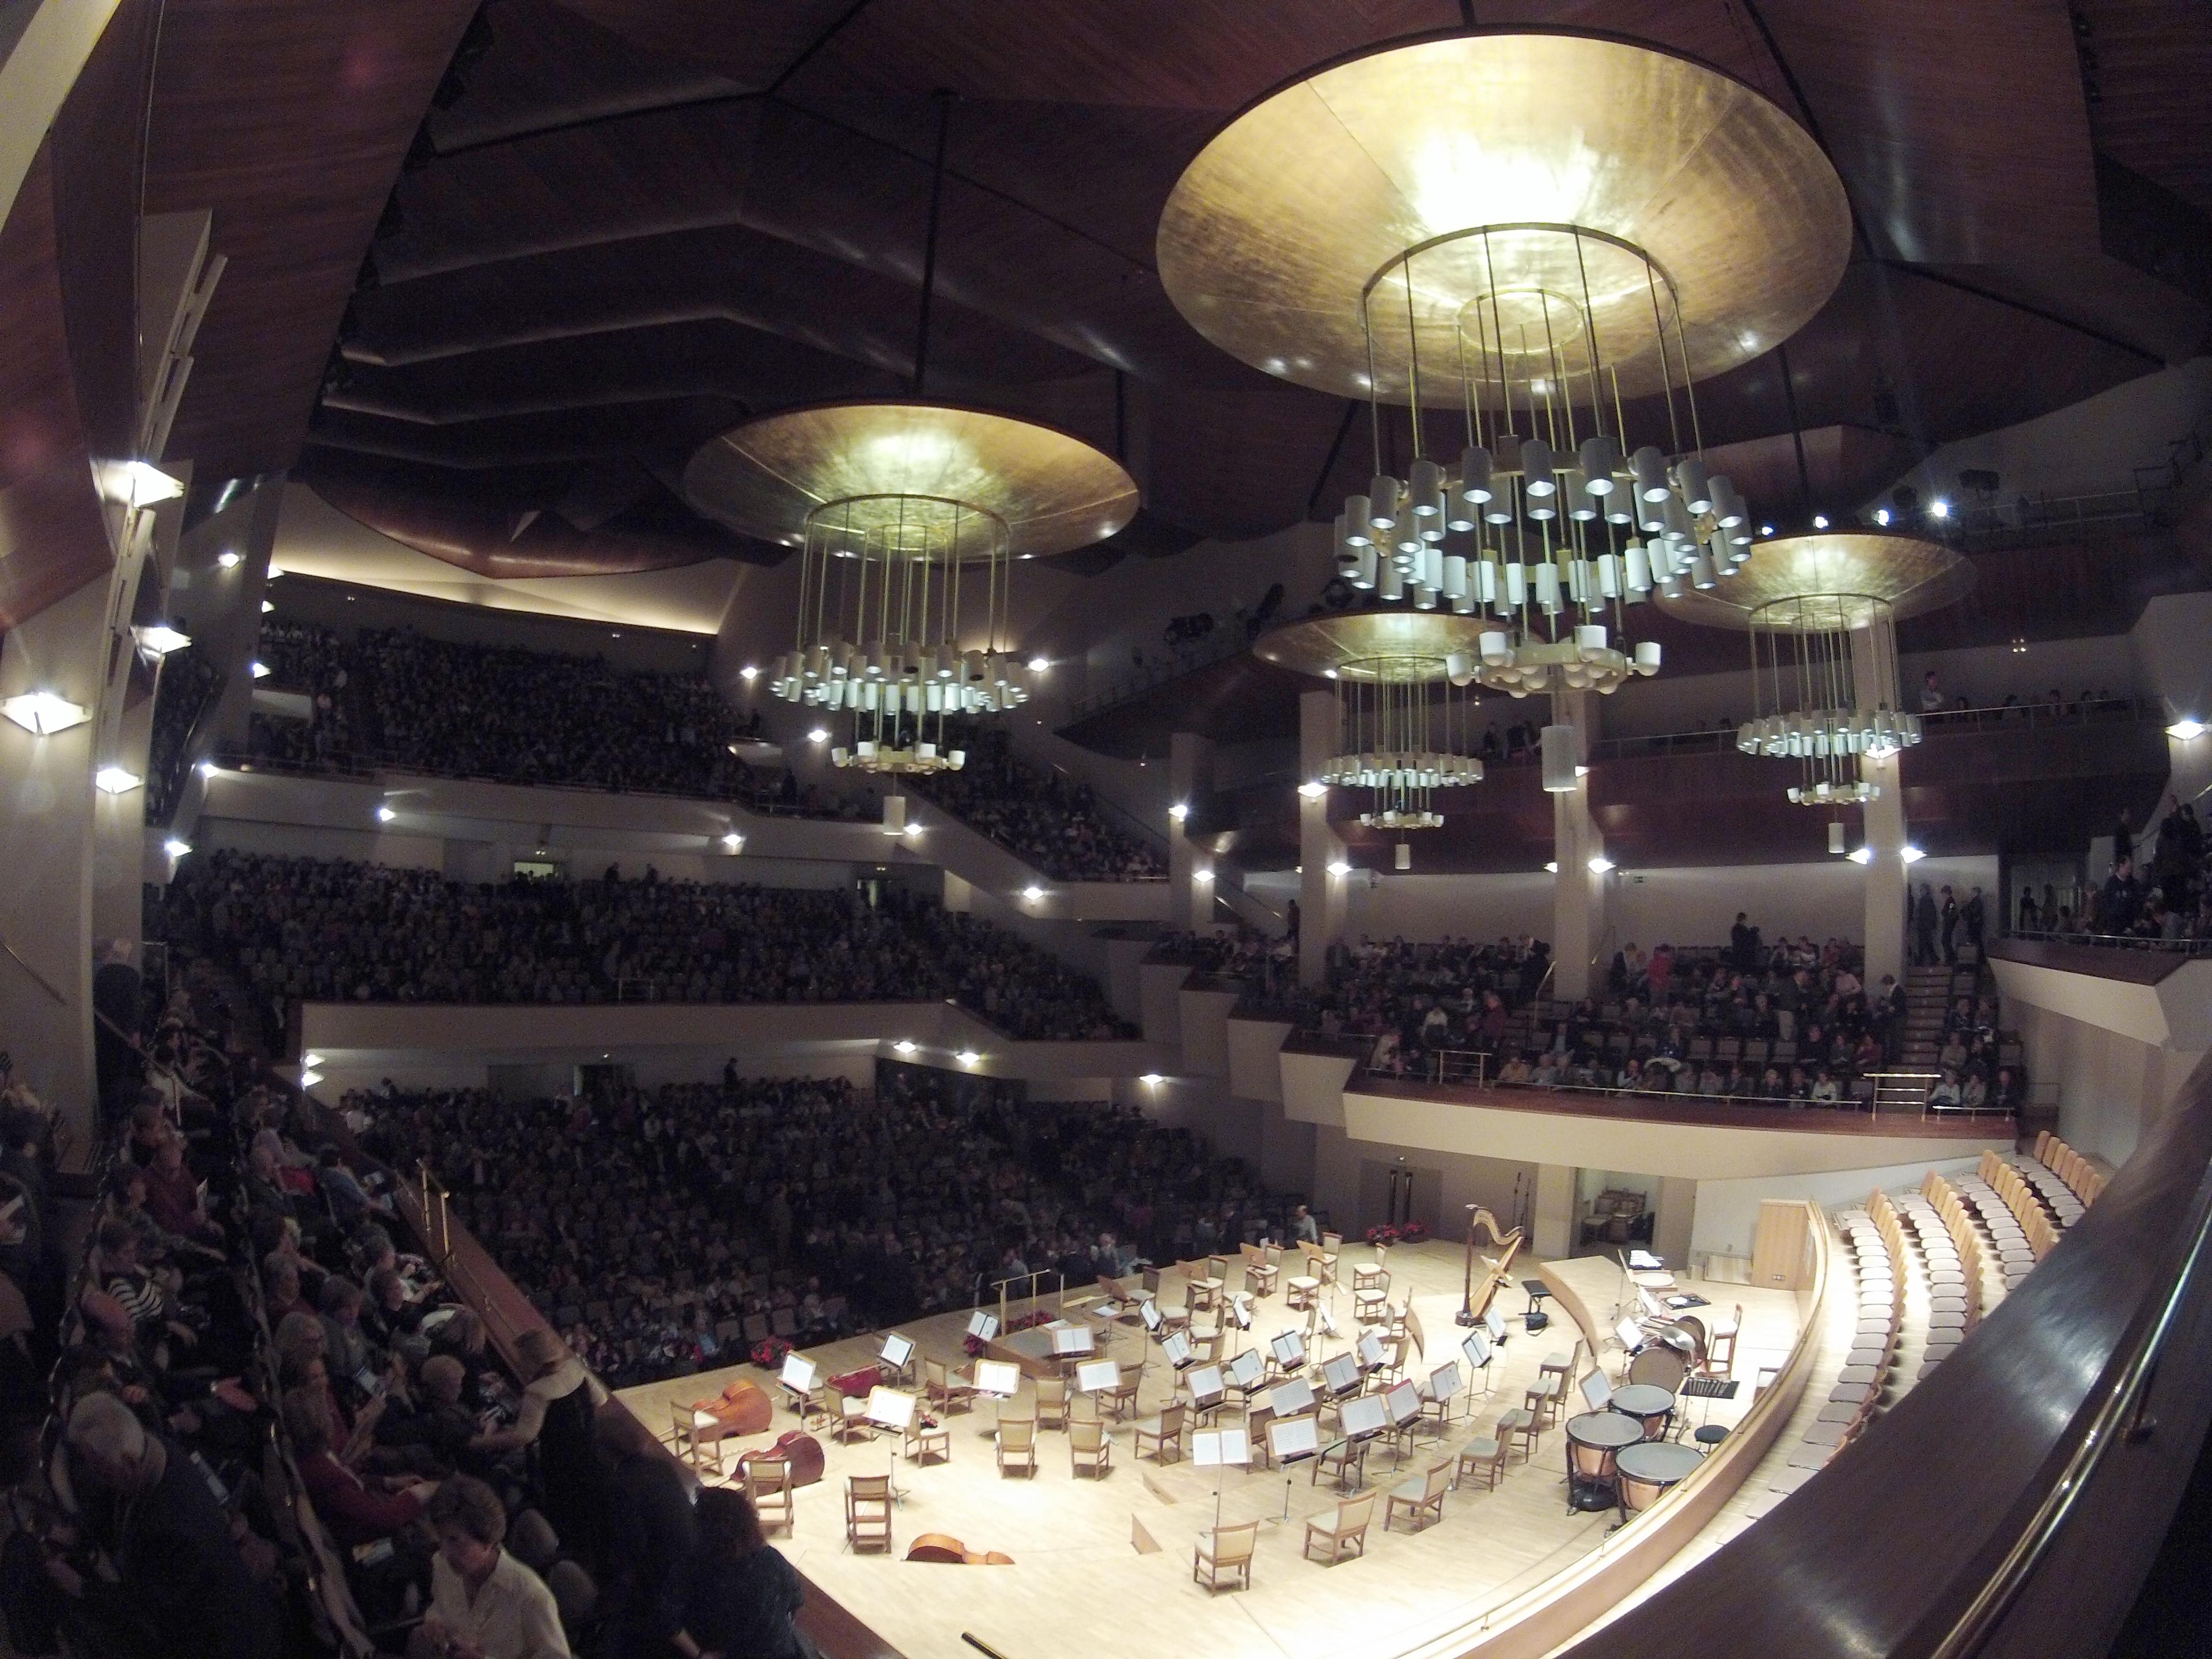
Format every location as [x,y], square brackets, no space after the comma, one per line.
[1443,1381]
[797,1375]
[1106,1310]
[1293,1439]
[1477,1349]
[893,1408]
[1370,1351]
[897,1350]
[1150,1314]
[1341,1374]
[1644,1261]
[999,1377]
[1494,1322]
[1596,1389]
[1214,1448]
[1094,1374]
[1293,1397]
[1363,1417]
[1071,1340]
[983,1326]
[1176,1351]
[1207,1387]
[1289,1351]
[1630,1335]
[1404,1402]
[1246,1369]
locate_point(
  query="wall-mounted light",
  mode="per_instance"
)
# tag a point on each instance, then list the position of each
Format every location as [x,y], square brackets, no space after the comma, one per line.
[175,848]
[147,483]
[309,1079]
[1938,508]
[1033,893]
[1313,789]
[1881,515]
[260,670]
[1911,854]
[229,558]
[1038,665]
[1179,811]
[967,1057]
[115,781]
[733,842]
[819,734]
[268,605]
[311,1061]
[1151,1080]
[45,713]
[207,769]
[1860,855]
[1338,867]
[902,1046]
[159,638]
[1552,868]
[749,673]
[1820,521]
[1599,863]
[385,814]
[1204,873]
[2186,729]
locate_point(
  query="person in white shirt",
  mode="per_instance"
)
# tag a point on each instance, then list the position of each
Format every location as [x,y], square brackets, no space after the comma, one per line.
[484,1604]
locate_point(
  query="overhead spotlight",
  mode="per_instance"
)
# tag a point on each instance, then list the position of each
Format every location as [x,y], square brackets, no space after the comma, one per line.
[749,672]
[45,713]
[1911,854]
[229,558]
[1860,855]
[819,734]
[1338,867]
[1820,521]
[1313,789]
[902,1046]
[114,780]
[1766,530]
[175,848]
[1599,863]
[159,638]
[1881,515]
[260,670]
[385,814]
[1179,811]
[1938,508]
[2185,729]
[967,1057]
[1038,665]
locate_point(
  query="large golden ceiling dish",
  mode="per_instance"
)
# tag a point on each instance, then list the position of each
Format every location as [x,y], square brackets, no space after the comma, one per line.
[1052,492]
[1353,644]
[1858,575]
[1285,219]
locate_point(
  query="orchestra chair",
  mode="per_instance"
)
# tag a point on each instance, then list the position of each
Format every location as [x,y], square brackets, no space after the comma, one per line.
[1263,1270]
[1120,1401]
[1256,1428]
[1522,1425]
[1331,1244]
[768,1484]
[1226,1550]
[1374,1278]
[1163,1431]
[1720,1352]
[1206,1345]
[1347,1459]
[1052,1402]
[926,1443]
[1343,1531]
[698,1439]
[1371,1304]
[1421,1498]
[1089,1449]
[943,1392]
[1202,1292]
[868,1512]
[1486,1455]
[1301,1292]
[1018,1444]
[851,1422]
[1548,1399]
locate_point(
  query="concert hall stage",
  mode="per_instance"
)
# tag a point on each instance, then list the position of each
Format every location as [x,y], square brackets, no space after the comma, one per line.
[1080,1584]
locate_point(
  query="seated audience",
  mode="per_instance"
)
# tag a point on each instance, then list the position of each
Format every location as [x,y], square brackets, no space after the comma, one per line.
[1048,820]
[484,1603]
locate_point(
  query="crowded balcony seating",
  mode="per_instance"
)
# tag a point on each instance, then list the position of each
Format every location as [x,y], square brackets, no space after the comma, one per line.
[392,698]
[188,685]
[686,1228]
[1052,823]
[332,930]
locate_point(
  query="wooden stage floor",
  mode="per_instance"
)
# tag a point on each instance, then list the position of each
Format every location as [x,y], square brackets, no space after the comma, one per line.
[1078,1584]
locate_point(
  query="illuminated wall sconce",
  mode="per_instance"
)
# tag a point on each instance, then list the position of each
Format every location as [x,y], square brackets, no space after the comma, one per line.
[1313,789]
[175,848]
[733,842]
[115,781]
[159,638]
[902,1046]
[1911,854]
[1179,811]
[1599,863]
[1860,855]
[967,1057]
[1338,867]
[147,483]
[45,713]
[1033,893]
[2186,729]
[385,814]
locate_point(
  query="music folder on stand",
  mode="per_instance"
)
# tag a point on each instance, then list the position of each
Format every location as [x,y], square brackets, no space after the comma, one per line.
[1217,1448]
[1292,1440]
[893,1409]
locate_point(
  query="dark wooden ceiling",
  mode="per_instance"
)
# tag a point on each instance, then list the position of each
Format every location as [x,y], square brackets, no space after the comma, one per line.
[626,224]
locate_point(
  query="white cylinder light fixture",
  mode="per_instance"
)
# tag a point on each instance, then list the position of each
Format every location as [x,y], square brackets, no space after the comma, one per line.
[1561,759]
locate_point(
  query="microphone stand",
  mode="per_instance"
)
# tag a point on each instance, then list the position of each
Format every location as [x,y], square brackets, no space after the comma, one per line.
[1466,1314]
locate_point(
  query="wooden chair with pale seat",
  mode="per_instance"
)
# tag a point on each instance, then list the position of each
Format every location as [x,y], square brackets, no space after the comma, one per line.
[1343,1531]
[1089,1449]
[1263,1269]
[1486,1455]
[768,1484]
[1375,1277]
[1256,1428]
[1052,1402]
[1522,1426]
[943,1392]
[1301,1291]
[1162,1431]
[925,1443]
[1226,1550]
[1203,1288]
[868,1512]
[1120,1401]
[1017,1445]
[698,1438]
[851,1422]
[1720,1349]
[1423,1500]
[1344,1462]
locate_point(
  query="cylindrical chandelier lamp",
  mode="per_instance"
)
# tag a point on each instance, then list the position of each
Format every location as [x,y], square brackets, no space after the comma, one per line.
[1562,759]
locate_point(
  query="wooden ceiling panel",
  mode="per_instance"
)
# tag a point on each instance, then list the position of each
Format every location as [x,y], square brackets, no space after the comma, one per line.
[751,43]
[2153,67]
[289,122]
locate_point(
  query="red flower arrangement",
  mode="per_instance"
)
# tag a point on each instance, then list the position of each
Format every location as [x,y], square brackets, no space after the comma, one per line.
[1383,1236]
[769,1352]
[1413,1231]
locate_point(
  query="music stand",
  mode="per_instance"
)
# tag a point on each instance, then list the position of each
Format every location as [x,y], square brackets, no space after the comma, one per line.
[1597,1388]
[797,1378]
[1290,1351]
[1208,1389]
[1361,1418]
[1247,1369]
[1000,1378]
[1478,1352]
[1097,1375]
[1220,1449]
[1340,1376]
[1072,1342]
[1149,1312]
[1292,1440]
[1494,1322]
[983,1326]
[1370,1351]
[892,1409]
[898,1353]
[1403,1402]
[1176,1351]
[1443,1385]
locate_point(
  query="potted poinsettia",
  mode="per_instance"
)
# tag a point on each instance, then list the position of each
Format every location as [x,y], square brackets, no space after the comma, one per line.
[1383,1237]
[1413,1231]
[769,1352]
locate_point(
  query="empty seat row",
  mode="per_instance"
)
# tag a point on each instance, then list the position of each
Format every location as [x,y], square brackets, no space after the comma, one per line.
[2055,1196]
[2009,1249]
[2083,1181]
[1952,1252]
[1856,1393]
[2009,1184]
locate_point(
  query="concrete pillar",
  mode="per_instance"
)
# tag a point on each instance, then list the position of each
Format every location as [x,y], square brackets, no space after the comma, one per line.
[1190,867]
[1553,1220]
[1321,865]
[1578,891]
[1887,876]
[2172,665]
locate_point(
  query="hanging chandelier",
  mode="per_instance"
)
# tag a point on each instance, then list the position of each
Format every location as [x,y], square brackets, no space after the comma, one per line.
[1821,612]
[1535,243]
[1403,730]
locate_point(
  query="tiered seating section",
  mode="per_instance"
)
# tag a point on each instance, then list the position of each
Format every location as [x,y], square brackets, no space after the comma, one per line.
[1047,819]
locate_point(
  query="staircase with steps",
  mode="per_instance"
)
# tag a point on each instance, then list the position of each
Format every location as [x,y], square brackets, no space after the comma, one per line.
[1927,999]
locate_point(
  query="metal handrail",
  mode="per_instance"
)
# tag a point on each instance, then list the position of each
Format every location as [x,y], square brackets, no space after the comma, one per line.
[1942,722]
[2119,1418]
[37,978]
[2188,947]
